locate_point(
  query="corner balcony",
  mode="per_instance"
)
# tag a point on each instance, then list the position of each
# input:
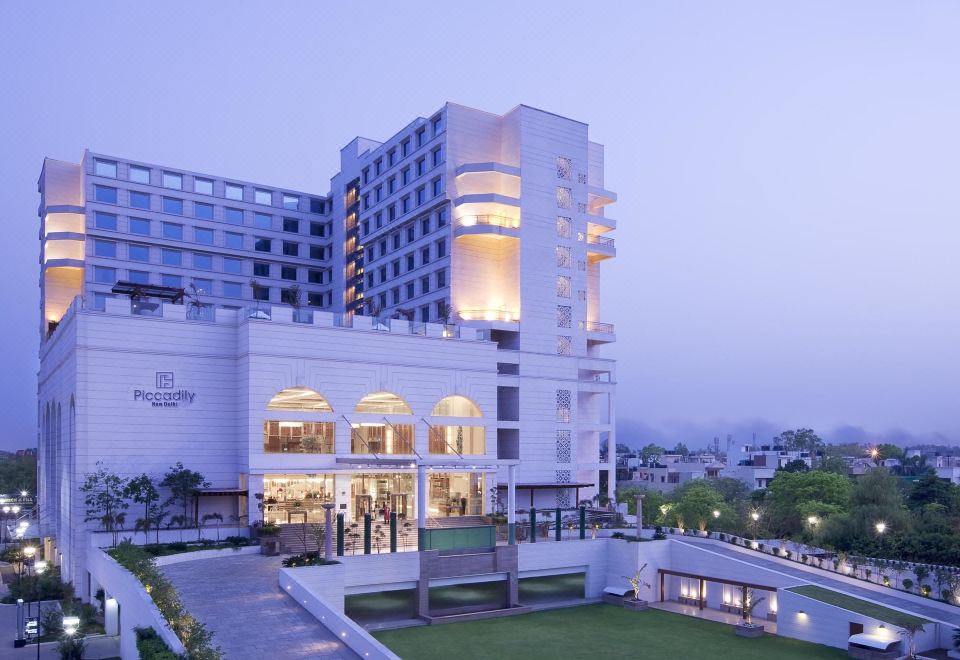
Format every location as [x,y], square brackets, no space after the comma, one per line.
[491,225]
[600,247]
[599,333]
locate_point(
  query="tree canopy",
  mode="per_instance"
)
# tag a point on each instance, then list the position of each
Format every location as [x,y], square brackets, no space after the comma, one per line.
[796,496]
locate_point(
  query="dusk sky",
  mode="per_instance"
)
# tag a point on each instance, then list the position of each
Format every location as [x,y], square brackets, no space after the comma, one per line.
[788,173]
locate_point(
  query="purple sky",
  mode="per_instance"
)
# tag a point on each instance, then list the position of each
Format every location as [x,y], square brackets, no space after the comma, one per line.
[788,173]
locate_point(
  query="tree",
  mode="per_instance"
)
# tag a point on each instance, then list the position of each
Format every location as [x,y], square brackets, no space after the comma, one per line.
[910,631]
[651,454]
[888,450]
[697,505]
[930,489]
[207,517]
[183,484]
[18,473]
[799,440]
[795,496]
[796,465]
[834,464]
[749,602]
[681,449]
[875,498]
[105,499]
[142,491]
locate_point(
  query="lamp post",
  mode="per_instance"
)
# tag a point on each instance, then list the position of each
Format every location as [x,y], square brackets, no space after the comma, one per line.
[755,517]
[5,535]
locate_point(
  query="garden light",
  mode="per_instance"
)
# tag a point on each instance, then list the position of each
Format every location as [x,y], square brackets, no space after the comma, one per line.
[881,527]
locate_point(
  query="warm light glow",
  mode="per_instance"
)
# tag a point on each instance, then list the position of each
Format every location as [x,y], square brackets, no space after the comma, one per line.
[755,516]
[23,493]
[813,520]
[29,551]
[874,452]
[716,514]
[881,527]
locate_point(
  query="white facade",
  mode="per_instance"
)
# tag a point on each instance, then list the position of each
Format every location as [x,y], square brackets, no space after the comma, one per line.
[485,227]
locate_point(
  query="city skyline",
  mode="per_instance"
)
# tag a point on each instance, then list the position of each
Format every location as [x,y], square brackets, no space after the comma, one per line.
[837,314]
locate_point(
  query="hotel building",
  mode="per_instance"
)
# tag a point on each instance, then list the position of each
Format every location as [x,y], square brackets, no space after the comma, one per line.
[421,336]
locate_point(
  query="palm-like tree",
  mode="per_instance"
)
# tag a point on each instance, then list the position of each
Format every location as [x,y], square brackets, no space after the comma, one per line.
[910,631]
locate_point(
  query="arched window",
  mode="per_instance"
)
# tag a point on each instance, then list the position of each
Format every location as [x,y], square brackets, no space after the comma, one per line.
[383,403]
[299,398]
[456,406]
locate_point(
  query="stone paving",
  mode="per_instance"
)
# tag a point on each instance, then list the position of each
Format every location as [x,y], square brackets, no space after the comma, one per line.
[238,598]
[883,595]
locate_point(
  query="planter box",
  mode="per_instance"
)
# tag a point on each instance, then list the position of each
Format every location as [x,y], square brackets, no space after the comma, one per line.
[752,631]
[636,605]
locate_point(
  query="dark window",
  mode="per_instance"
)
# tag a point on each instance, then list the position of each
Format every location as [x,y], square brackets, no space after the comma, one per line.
[105,194]
[442,218]
[379,219]
[315,276]
[318,229]
[316,205]
[395,295]
[383,247]
[391,157]
[437,188]
[261,293]
[425,313]
[421,196]
[396,268]
[288,273]
[410,293]
[405,148]
[425,284]
[425,226]
[405,204]
[392,213]
[315,299]
[410,264]
[421,166]
[391,185]
[437,156]
[261,269]
[139,200]
[369,280]
[365,227]
[383,274]
[316,252]
[441,248]
[411,234]
[377,166]
[441,279]
[425,255]
[366,175]
[291,249]
[291,225]
[396,241]
[421,136]
[261,244]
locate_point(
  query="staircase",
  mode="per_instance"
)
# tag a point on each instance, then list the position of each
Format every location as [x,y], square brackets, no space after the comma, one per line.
[292,541]
[456,521]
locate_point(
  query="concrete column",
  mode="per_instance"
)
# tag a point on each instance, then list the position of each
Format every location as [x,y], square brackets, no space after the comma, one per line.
[639,516]
[328,536]
[111,616]
[512,504]
[421,507]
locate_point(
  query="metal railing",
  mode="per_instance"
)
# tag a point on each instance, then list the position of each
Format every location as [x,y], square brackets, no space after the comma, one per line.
[490,220]
[596,326]
[603,241]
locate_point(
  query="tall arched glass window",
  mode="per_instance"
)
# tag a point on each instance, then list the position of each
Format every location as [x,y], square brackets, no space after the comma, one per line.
[383,403]
[299,398]
[456,406]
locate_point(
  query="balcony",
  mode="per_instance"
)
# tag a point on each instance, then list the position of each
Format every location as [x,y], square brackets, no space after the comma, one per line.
[600,247]
[496,225]
[598,332]
[503,315]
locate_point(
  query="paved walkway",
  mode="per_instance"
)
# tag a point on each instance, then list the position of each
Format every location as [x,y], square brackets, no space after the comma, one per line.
[882,595]
[240,601]
[710,614]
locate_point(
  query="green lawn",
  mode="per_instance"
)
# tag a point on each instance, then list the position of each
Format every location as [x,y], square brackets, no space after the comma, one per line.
[852,604]
[593,631]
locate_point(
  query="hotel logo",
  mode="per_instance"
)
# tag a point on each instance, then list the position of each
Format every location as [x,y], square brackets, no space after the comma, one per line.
[164,395]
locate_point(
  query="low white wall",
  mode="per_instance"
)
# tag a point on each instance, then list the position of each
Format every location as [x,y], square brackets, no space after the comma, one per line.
[105,539]
[181,557]
[137,610]
[381,572]
[823,623]
[587,555]
[301,584]
[325,582]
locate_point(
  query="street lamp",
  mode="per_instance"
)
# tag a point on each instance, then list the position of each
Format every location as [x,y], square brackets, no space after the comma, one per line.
[755,517]
[716,514]
[813,521]
[881,527]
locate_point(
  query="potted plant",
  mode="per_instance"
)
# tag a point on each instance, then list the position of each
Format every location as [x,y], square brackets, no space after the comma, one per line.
[637,581]
[746,627]
[269,535]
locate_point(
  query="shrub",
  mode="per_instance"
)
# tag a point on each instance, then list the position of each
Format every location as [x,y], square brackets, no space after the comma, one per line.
[151,646]
[760,547]
[306,559]
[237,541]
[177,546]
[907,584]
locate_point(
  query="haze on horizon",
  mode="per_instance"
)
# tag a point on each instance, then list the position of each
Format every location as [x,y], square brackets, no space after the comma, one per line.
[787,173]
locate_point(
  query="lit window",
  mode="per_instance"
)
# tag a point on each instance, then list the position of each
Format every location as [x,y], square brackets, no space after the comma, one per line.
[105,168]
[383,403]
[299,398]
[203,186]
[172,180]
[138,174]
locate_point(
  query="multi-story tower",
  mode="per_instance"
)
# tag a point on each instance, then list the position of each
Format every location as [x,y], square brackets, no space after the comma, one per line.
[108,220]
[497,222]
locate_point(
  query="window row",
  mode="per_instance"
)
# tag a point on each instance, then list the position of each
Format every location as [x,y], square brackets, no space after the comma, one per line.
[225,288]
[407,234]
[176,206]
[282,437]
[405,205]
[382,191]
[405,148]
[205,186]
[137,252]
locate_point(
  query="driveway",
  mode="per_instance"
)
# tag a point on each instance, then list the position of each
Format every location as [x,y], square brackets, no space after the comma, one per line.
[238,598]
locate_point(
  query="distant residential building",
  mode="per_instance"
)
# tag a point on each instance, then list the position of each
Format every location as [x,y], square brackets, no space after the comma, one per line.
[758,464]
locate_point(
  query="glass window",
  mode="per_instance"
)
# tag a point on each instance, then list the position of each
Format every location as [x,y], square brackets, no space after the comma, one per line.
[421,196]
[425,255]
[391,157]
[233,289]
[316,205]
[173,231]
[103,220]
[405,148]
[425,284]
[425,314]
[377,166]
[105,194]
[139,226]
[201,235]
[396,267]
[425,226]
[421,166]
[203,285]
[317,229]
[261,269]
[291,225]
[171,257]
[437,123]
[261,244]
[262,221]
[261,293]
[203,186]
[405,204]
[291,249]
[441,279]
[105,168]
[232,240]
[172,180]
[233,191]
[410,292]
[395,295]
[233,216]
[139,174]
[410,262]
[138,253]
[396,241]
[105,248]
[291,201]
[315,276]
[104,275]
[437,186]
[316,252]
[139,276]
[232,266]
[263,197]
[442,218]
[441,248]
[366,175]
[315,299]
[411,234]
[203,211]
[172,281]
[203,261]
[173,206]
[288,273]
[139,200]
[405,176]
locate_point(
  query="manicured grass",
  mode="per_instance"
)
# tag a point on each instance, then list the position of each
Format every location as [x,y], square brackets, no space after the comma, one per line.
[593,631]
[852,604]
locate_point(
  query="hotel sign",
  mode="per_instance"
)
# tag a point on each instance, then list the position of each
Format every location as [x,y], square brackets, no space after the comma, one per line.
[165,395]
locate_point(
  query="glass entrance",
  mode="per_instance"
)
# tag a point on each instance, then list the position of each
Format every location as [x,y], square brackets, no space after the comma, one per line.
[296,498]
[382,494]
[455,494]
